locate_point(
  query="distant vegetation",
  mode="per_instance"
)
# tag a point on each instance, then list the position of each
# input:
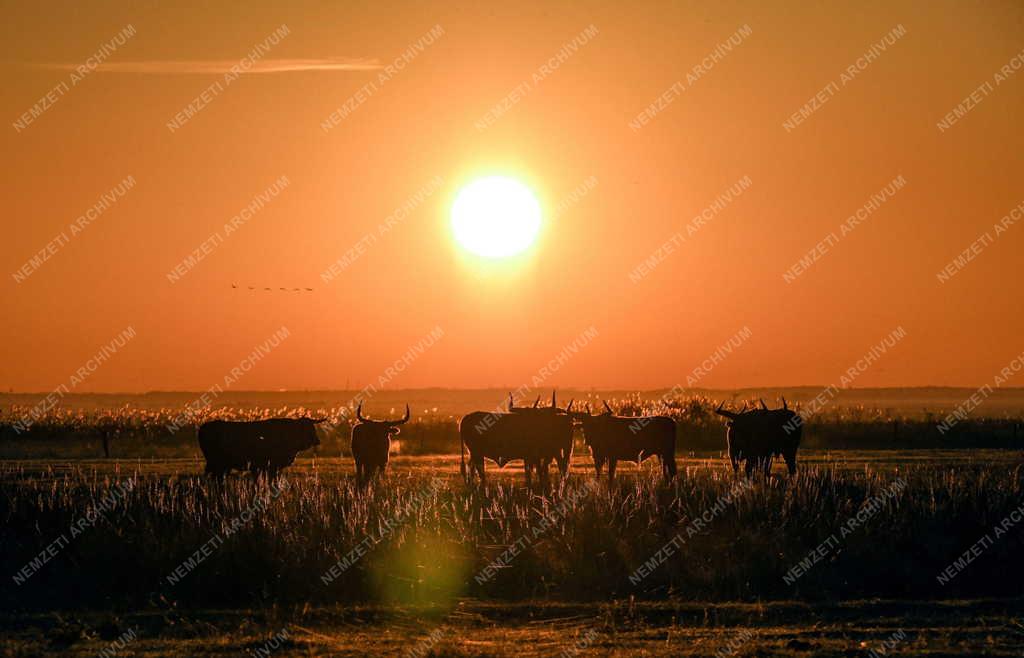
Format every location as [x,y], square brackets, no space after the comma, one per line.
[137,431]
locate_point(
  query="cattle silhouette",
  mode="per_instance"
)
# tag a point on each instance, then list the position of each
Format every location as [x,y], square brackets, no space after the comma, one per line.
[757,436]
[628,438]
[561,443]
[537,435]
[263,446]
[371,444]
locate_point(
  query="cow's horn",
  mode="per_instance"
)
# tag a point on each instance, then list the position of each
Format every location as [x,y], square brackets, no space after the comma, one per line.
[511,402]
[784,405]
[605,403]
[536,402]
[359,413]
[568,407]
[763,405]
[553,403]
[405,419]
[589,412]
[722,412]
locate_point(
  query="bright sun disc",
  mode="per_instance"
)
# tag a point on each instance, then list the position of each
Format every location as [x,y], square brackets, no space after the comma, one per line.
[495,217]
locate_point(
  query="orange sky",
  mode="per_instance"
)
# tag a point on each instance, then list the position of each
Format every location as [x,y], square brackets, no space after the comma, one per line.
[424,125]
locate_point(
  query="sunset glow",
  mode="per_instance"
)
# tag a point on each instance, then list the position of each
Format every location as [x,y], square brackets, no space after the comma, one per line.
[823,179]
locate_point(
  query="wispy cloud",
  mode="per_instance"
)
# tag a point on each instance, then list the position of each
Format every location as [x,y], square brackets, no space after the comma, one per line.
[219,66]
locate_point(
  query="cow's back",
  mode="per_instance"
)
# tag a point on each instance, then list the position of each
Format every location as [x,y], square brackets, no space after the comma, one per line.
[505,436]
[659,436]
[613,437]
[214,441]
[232,444]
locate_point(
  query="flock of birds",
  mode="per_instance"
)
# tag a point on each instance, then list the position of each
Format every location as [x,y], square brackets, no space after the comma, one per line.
[269,289]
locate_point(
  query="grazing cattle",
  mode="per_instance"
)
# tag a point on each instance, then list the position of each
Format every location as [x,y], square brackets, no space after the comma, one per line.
[537,436]
[371,444]
[561,440]
[758,435]
[629,438]
[263,446]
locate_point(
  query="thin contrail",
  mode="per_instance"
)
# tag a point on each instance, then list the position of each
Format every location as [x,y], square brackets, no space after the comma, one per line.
[219,66]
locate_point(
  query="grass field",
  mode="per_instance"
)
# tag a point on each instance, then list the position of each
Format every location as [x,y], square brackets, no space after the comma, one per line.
[439,569]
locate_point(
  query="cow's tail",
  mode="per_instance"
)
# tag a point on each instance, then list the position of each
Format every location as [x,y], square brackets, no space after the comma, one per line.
[462,466]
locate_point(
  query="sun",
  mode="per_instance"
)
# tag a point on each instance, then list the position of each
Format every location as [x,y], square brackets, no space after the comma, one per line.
[495,217]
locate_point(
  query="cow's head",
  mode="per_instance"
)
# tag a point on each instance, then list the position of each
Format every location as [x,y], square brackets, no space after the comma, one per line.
[308,437]
[389,427]
[738,416]
[593,424]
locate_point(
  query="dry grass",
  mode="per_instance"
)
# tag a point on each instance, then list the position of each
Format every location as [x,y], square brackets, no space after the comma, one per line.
[585,552]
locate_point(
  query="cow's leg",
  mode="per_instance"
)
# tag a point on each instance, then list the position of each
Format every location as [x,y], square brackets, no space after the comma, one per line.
[668,465]
[598,464]
[480,469]
[542,476]
[790,458]
[748,466]
[611,469]
[735,459]
[528,471]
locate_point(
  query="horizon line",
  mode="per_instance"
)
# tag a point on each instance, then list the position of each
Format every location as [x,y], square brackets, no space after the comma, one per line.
[507,389]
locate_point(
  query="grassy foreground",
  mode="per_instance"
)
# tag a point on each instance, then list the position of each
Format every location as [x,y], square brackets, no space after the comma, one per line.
[177,540]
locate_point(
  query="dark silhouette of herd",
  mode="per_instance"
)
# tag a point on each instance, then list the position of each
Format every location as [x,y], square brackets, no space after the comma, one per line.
[537,435]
